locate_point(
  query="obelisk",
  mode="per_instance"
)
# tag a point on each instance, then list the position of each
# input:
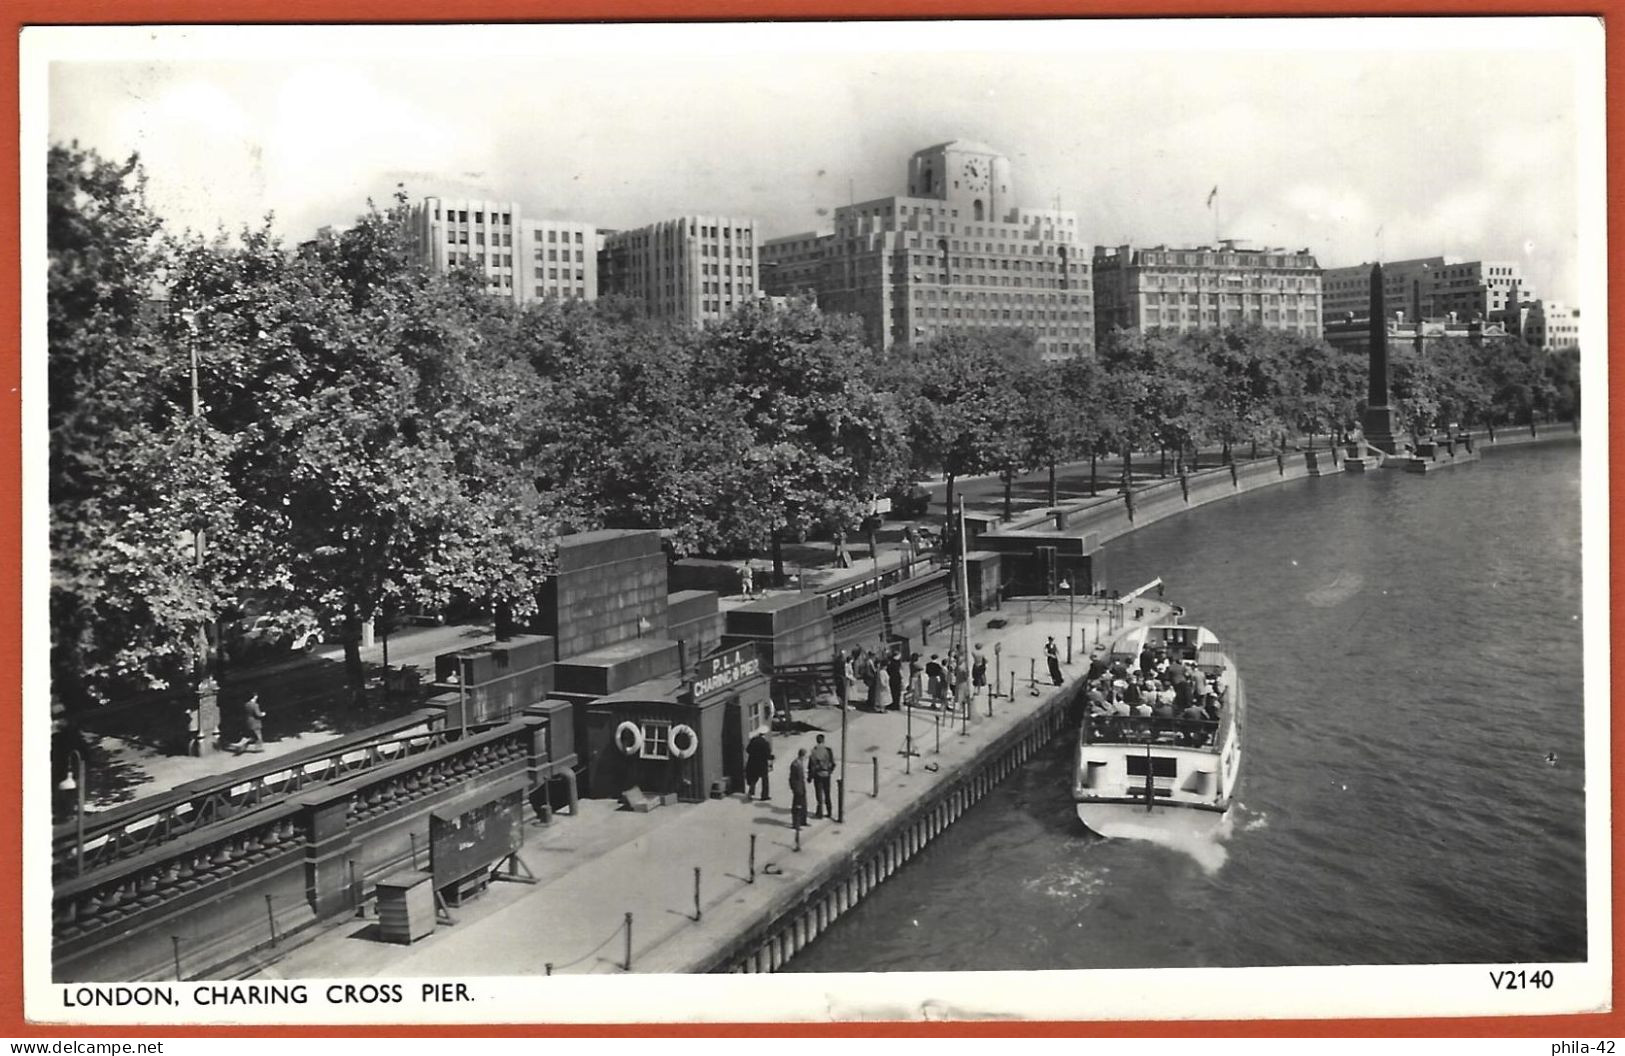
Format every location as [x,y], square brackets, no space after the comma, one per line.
[1379,417]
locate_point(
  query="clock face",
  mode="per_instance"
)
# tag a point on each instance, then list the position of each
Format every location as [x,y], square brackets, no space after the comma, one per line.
[974,174]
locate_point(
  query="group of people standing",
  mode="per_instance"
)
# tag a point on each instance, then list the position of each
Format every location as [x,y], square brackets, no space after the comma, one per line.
[892,682]
[816,765]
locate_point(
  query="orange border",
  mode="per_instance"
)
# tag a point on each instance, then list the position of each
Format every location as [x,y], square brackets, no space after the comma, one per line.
[59,12]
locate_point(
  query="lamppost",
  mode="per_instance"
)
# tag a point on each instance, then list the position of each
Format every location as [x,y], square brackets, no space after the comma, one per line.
[74,782]
[1071,600]
[207,689]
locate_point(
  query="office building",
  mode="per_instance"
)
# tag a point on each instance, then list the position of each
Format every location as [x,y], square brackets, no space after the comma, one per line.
[690,270]
[1206,288]
[1428,288]
[954,255]
[521,259]
[1549,326]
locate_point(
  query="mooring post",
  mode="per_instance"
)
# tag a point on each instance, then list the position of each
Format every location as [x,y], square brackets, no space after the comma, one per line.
[752,878]
[1032,672]
[798,838]
[414,849]
[548,967]
[990,700]
[939,734]
[629,942]
[176,939]
[696,892]
[875,791]
[1012,685]
[270,917]
[840,800]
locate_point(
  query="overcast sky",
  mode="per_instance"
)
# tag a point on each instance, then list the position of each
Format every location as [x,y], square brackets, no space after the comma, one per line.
[1358,140]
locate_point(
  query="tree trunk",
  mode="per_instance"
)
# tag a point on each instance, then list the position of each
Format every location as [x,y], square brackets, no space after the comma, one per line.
[1009,481]
[778,558]
[1196,457]
[1054,496]
[506,625]
[948,518]
[1255,447]
[355,673]
[1225,453]
[1128,469]
[1162,460]
[1092,489]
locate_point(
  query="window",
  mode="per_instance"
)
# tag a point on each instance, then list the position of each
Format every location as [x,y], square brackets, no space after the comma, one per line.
[656,740]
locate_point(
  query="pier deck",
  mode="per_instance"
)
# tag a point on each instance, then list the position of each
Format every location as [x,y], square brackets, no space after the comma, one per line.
[594,869]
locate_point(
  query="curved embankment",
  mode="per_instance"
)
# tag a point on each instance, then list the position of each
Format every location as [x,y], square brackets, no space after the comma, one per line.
[1110,516]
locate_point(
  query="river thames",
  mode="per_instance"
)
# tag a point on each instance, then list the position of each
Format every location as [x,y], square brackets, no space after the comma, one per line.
[1412,652]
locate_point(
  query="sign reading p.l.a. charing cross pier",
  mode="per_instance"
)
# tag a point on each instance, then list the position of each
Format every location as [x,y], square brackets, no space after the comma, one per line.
[717,673]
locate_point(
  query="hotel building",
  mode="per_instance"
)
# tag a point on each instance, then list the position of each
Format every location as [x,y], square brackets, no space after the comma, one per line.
[1206,288]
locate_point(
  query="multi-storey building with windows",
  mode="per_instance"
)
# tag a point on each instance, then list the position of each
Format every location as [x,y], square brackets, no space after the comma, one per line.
[560,260]
[453,232]
[690,270]
[1475,299]
[1427,288]
[1206,288]
[1549,326]
[954,255]
[524,260]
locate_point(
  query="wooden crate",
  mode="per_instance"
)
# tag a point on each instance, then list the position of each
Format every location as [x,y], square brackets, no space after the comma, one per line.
[406,911]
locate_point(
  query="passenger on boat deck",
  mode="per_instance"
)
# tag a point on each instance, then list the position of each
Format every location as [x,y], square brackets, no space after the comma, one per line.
[1141,710]
[1119,670]
[1097,667]
[1193,712]
[1094,695]
[1166,695]
[1163,711]
[1147,660]
[1131,692]
[1212,707]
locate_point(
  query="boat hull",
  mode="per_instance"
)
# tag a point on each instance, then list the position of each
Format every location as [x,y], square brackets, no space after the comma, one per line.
[1131,821]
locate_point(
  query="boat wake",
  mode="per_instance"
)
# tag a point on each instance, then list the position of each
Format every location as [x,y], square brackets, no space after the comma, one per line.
[1206,850]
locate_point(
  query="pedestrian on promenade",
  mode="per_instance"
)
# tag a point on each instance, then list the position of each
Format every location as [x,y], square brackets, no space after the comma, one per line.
[798,789]
[747,585]
[758,764]
[1054,655]
[821,764]
[256,721]
[842,558]
[894,680]
[978,668]
[934,679]
[916,680]
[194,730]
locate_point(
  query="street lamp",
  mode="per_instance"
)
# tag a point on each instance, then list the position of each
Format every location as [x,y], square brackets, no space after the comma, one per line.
[74,782]
[1071,599]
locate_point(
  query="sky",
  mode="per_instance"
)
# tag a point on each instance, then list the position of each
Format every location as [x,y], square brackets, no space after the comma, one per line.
[1358,139]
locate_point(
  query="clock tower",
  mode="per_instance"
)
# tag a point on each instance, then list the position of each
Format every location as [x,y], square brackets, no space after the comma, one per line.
[971,175]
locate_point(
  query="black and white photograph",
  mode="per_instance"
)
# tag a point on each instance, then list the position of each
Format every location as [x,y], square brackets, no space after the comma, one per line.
[1049,519]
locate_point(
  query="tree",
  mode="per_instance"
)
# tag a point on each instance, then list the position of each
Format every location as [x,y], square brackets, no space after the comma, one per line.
[133,477]
[964,407]
[380,447]
[822,436]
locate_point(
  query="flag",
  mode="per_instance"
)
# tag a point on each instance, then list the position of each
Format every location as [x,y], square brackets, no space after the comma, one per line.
[1214,193]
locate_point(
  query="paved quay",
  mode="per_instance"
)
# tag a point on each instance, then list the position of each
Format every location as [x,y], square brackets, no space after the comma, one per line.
[594,869]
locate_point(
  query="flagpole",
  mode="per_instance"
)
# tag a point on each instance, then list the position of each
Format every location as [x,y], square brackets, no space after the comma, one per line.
[964,592]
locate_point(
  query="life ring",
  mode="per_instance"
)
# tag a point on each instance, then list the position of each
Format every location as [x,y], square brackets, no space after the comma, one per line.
[629,738]
[684,741]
